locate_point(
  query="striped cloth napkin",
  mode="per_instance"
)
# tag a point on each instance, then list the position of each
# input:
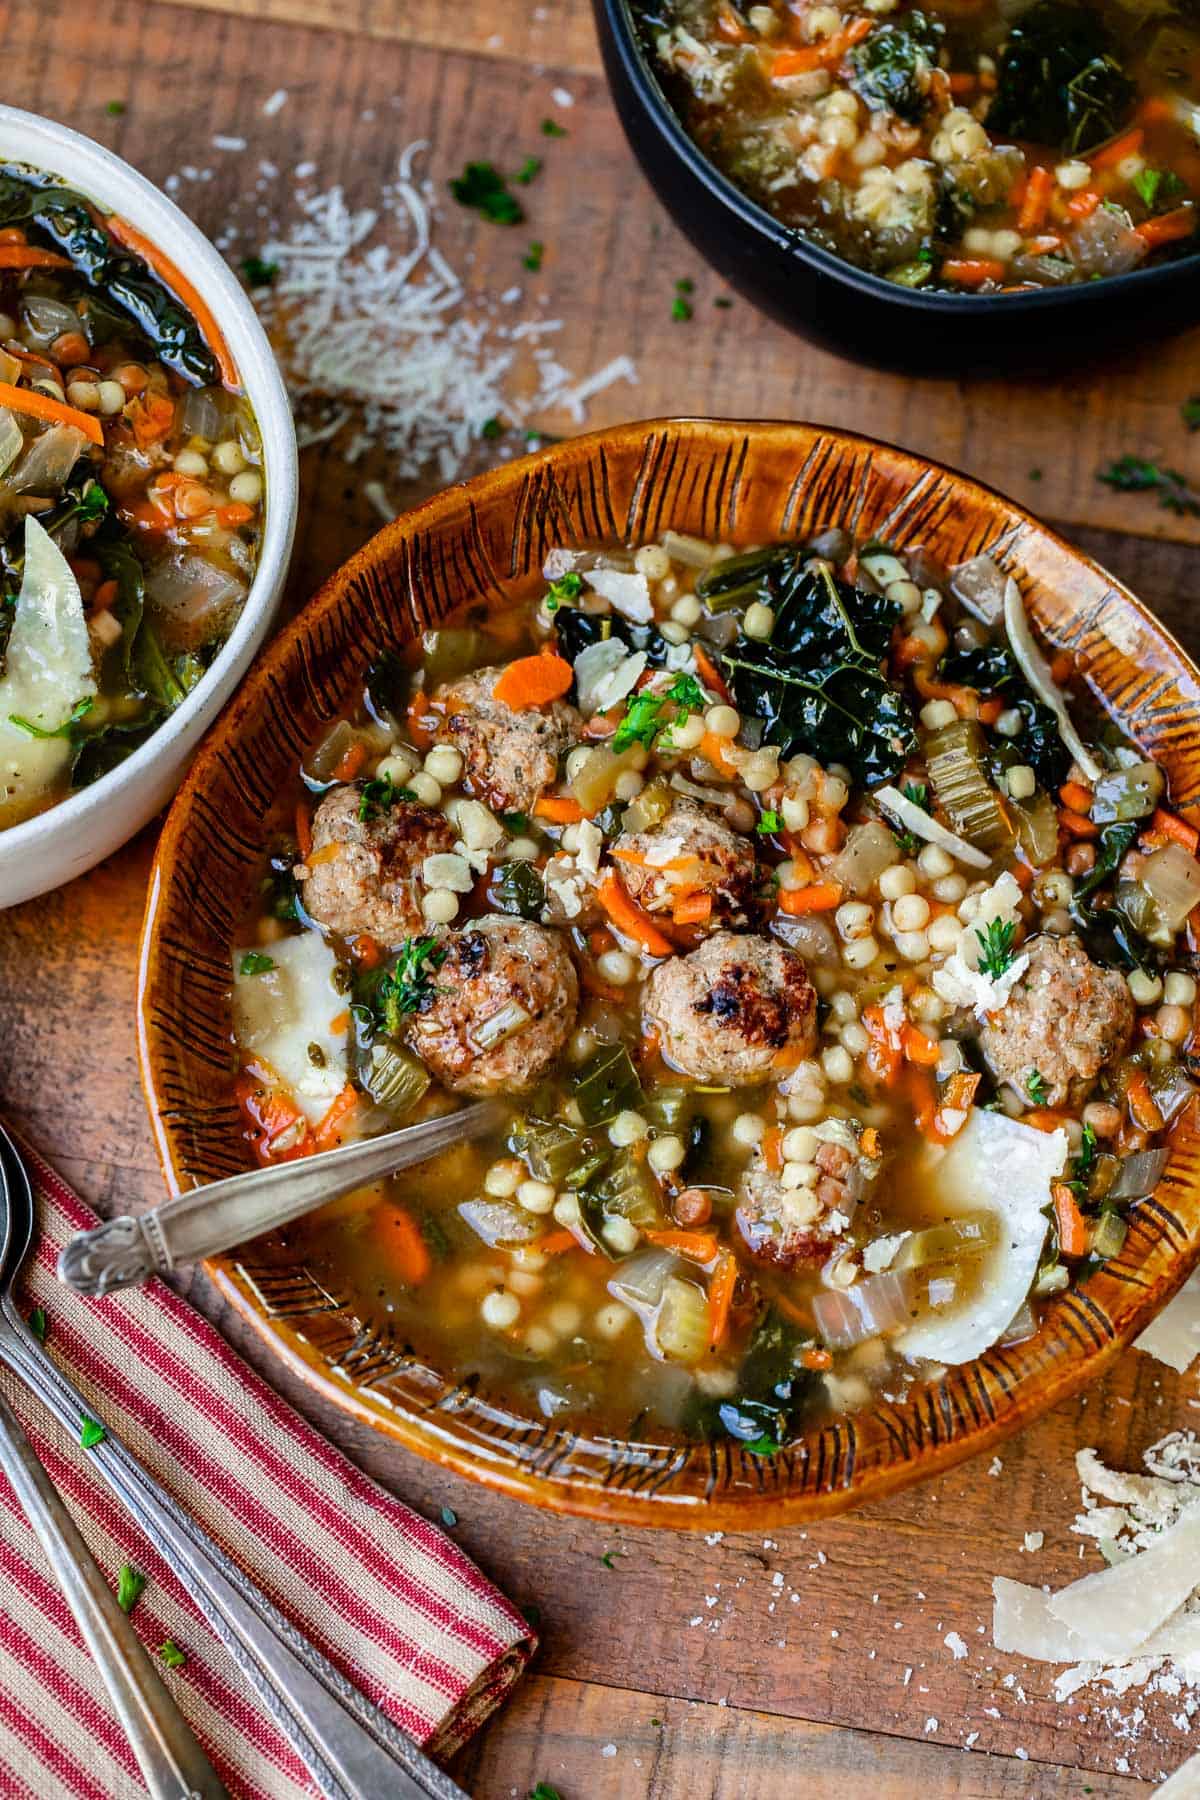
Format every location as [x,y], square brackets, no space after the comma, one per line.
[386,1595]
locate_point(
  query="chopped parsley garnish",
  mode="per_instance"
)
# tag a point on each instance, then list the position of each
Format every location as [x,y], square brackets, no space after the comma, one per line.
[482,187]
[39,1324]
[379,796]
[769,823]
[568,587]
[918,794]
[996,945]
[607,1558]
[1189,412]
[1136,475]
[1084,1163]
[1035,1087]
[115,108]
[543,1791]
[643,716]
[491,429]
[255,963]
[172,1655]
[408,985]
[93,504]
[1035,474]
[258,272]
[532,258]
[552,128]
[763,1445]
[723,301]
[906,840]
[681,306]
[130,1584]
[531,167]
[1157,188]
[92,1433]
[65,730]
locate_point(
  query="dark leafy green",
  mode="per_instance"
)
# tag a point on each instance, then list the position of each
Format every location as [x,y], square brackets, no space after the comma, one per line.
[482,187]
[818,685]
[574,630]
[892,67]
[408,986]
[1136,475]
[774,1391]
[1107,932]
[993,669]
[518,888]
[1059,81]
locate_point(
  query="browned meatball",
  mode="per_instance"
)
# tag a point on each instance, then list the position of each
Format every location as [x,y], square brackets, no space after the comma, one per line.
[364,875]
[690,852]
[470,1034]
[737,1010]
[1066,1018]
[509,758]
[791,1226]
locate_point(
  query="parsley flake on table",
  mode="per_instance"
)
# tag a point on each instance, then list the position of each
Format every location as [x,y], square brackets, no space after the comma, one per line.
[1137,475]
[92,1433]
[130,1584]
[255,963]
[258,272]
[529,169]
[552,128]
[607,1558]
[543,1791]
[171,1654]
[482,187]
[115,108]
[532,258]
[681,306]
[449,1517]
[1189,412]
[996,947]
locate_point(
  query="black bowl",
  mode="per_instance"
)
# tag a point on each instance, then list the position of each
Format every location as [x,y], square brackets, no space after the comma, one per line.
[847,308]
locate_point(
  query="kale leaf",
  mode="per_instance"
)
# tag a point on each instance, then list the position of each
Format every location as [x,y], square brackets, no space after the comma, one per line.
[574,630]
[993,669]
[818,685]
[892,67]
[773,1393]
[1058,80]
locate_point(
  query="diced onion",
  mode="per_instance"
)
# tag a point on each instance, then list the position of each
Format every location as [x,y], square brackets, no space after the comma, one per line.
[710,796]
[200,414]
[1128,793]
[48,460]
[979,584]
[594,665]
[681,1328]
[511,1018]
[847,1316]
[11,439]
[1172,879]
[1022,1325]
[1139,1175]
[500,1222]
[692,551]
[1036,671]
[868,851]
[641,1280]
[923,825]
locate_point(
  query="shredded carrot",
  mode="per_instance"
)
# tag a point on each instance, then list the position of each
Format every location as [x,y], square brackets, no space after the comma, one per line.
[1072,1227]
[105,594]
[326,854]
[1117,149]
[41,406]
[269,1113]
[130,238]
[1143,1107]
[815,1358]
[693,909]
[988,711]
[1076,796]
[923,1097]
[716,750]
[366,950]
[772,1148]
[630,919]
[418,731]
[1082,206]
[1178,830]
[558,809]
[235,514]
[303,830]
[972,271]
[351,761]
[1155,109]
[697,1246]
[328,1129]
[962,83]
[534,680]
[555,1242]
[720,1298]
[730,27]
[884,1055]
[151,417]
[26,256]
[1036,203]
[398,1236]
[1076,825]
[869,1143]
[1046,1118]
[919,1049]
[818,896]
[340,1023]
[708,671]
[959,1091]
[1045,245]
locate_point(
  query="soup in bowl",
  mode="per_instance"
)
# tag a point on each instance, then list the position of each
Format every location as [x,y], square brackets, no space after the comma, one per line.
[824,939]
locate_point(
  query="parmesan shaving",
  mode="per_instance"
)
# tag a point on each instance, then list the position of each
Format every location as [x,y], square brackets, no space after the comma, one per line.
[1174,1336]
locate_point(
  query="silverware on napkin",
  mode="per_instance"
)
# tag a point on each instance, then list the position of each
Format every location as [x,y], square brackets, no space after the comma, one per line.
[208,1220]
[351,1750]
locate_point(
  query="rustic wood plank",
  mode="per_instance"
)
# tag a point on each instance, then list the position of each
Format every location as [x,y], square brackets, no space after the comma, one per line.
[609,1743]
[612,256]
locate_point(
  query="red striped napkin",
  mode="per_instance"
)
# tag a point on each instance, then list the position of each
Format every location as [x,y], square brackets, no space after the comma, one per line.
[386,1595]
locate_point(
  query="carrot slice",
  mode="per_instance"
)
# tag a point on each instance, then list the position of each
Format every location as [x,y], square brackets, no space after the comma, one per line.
[398,1236]
[41,406]
[1082,206]
[720,1298]
[697,1246]
[1075,825]
[716,751]
[555,1242]
[818,896]
[27,256]
[351,761]
[1072,1228]
[534,680]
[303,830]
[130,238]
[1143,1107]
[559,809]
[328,1130]
[629,918]
[1074,795]
[772,1149]
[1036,203]
[693,909]
[919,1049]
[972,271]
[1172,826]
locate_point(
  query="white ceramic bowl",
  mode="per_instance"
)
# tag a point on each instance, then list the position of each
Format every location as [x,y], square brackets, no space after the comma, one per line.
[57,845]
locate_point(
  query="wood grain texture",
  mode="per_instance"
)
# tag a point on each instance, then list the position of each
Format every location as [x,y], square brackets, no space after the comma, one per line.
[68,963]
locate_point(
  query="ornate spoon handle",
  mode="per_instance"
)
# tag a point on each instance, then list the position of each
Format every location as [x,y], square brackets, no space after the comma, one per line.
[207,1220]
[347,1744]
[172,1763]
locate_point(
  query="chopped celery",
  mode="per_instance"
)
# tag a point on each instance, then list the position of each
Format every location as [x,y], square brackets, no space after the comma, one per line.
[648,808]
[1129,793]
[681,1328]
[1037,827]
[393,1077]
[606,1085]
[667,1108]
[550,1148]
[956,758]
[630,1190]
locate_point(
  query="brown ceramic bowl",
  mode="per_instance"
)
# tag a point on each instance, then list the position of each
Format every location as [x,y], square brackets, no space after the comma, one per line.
[742,483]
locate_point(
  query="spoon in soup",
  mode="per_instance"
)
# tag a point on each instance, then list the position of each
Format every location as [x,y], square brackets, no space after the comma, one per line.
[222,1214]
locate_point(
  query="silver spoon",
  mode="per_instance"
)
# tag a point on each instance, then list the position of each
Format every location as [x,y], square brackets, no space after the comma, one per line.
[349,1747]
[208,1220]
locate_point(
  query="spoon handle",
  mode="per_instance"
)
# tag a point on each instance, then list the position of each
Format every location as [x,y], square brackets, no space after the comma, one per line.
[172,1763]
[208,1220]
[349,1747]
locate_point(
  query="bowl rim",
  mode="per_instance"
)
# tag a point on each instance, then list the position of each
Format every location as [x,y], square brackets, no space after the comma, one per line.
[110,178]
[655,102]
[931,1450]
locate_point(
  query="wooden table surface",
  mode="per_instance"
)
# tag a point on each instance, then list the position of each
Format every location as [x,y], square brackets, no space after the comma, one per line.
[798,1664]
